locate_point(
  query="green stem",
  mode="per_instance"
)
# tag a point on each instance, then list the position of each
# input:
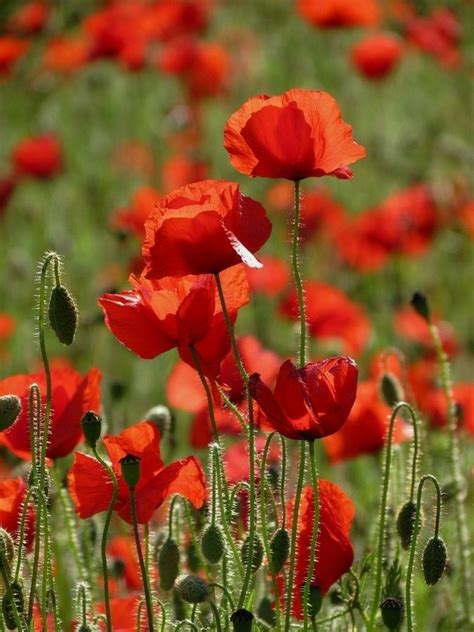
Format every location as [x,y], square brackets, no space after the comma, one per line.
[215,612]
[210,403]
[297,275]
[145,579]
[21,531]
[105,532]
[192,625]
[294,533]
[411,561]
[456,473]
[284,458]
[314,536]
[34,572]
[8,590]
[225,591]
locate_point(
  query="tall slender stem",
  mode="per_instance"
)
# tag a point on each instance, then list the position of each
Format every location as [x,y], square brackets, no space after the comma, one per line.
[145,578]
[105,532]
[314,536]
[9,591]
[297,274]
[210,403]
[294,533]
[411,561]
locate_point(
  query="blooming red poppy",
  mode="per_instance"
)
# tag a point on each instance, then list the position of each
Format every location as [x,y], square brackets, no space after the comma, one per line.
[132,219]
[66,55]
[298,134]
[376,55]
[157,316]
[331,315]
[89,483]
[12,494]
[38,156]
[30,18]
[335,552]
[311,402]
[72,395]
[204,228]
[11,49]
[122,552]
[271,279]
[366,427]
[181,170]
[337,13]
[410,325]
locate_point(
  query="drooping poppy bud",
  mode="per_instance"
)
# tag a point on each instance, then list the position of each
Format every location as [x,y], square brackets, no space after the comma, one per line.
[257,553]
[192,588]
[130,467]
[7,548]
[434,560]
[406,523]
[392,611]
[63,314]
[242,620]
[419,302]
[91,425]
[168,564]
[10,408]
[213,544]
[279,550]
[391,390]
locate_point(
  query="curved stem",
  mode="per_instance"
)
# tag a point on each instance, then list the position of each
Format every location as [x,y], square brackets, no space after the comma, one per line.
[411,561]
[34,572]
[315,533]
[173,503]
[105,532]
[225,591]
[294,533]
[192,625]
[145,579]
[215,612]
[297,275]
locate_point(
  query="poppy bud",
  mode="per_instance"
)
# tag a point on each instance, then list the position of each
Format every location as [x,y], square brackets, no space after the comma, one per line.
[91,427]
[257,552]
[213,544]
[192,557]
[391,390]
[392,610]
[242,620]
[192,588]
[130,466]
[17,597]
[62,314]
[7,548]
[265,612]
[279,550]
[315,600]
[10,408]
[168,564]
[434,560]
[161,416]
[419,302]
[406,523]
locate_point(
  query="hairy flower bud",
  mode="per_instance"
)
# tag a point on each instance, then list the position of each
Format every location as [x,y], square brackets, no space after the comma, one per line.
[63,314]
[391,390]
[419,302]
[392,611]
[192,588]
[257,553]
[406,523]
[130,467]
[7,548]
[91,425]
[279,550]
[435,557]
[10,408]
[242,620]
[213,544]
[168,564]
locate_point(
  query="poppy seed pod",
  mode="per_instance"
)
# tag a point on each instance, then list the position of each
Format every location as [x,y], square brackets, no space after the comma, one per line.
[391,390]
[91,425]
[242,620]
[63,314]
[406,523]
[10,408]
[130,467]
[419,302]
[7,548]
[434,560]
[392,610]
[168,564]
[192,589]
[213,544]
[279,550]
[257,553]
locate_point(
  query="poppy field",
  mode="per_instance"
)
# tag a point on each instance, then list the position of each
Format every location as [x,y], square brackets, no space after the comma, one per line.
[236,309]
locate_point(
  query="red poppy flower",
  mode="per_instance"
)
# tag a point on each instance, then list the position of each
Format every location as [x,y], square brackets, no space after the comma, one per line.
[412,326]
[331,315]
[366,427]
[132,219]
[311,402]
[66,55]
[200,435]
[438,34]
[335,552]
[121,550]
[30,18]
[236,459]
[38,156]
[204,228]
[125,613]
[11,49]
[12,494]
[90,487]
[298,134]
[157,316]
[336,13]
[181,170]
[271,279]
[72,395]
[376,55]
